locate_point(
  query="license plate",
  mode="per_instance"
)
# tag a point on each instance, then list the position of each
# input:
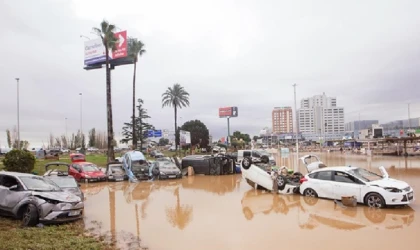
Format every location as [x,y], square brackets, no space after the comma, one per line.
[172,176]
[74,213]
[410,196]
[119,179]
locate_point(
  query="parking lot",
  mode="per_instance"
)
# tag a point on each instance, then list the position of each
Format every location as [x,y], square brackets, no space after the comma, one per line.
[224,212]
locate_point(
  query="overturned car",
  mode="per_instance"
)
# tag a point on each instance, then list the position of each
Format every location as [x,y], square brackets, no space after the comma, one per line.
[34,199]
[209,165]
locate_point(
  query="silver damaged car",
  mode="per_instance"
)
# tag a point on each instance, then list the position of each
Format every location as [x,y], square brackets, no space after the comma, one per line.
[34,199]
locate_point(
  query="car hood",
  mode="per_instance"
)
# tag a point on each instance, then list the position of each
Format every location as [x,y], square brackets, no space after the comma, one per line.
[57,196]
[72,190]
[169,170]
[389,182]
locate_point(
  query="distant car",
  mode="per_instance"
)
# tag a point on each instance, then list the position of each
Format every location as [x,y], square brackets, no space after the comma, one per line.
[165,169]
[4,151]
[172,148]
[34,199]
[86,172]
[77,157]
[115,171]
[54,152]
[367,187]
[61,178]
[92,149]
[156,154]
[65,150]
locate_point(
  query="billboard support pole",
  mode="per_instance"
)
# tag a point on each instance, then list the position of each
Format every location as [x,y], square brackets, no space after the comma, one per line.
[228,140]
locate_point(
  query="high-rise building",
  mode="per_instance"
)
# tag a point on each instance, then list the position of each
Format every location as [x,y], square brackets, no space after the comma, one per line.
[282,120]
[320,118]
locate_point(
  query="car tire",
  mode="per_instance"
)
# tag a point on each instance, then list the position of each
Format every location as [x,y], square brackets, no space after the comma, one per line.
[30,216]
[375,200]
[281,182]
[246,163]
[310,193]
[265,159]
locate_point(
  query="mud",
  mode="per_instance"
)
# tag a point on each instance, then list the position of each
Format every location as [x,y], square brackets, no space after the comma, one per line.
[223,212]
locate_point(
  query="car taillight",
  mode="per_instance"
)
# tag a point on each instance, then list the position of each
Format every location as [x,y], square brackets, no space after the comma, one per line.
[302,180]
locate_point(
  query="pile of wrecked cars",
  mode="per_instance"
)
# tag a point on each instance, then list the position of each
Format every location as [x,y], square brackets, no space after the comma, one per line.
[337,183]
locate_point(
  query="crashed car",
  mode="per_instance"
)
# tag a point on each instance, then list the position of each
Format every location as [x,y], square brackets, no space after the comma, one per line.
[137,164]
[209,165]
[260,175]
[164,168]
[34,199]
[368,188]
[115,171]
[86,172]
[62,178]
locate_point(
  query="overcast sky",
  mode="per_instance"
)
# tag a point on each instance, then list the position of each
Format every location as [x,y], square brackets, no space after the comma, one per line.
[225,53]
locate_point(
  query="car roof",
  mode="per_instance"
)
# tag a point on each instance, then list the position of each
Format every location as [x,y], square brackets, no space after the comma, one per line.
[17,174]
[339,168]
[136,155]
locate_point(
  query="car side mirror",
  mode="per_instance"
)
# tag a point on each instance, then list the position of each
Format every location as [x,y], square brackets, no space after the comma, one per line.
[13,188]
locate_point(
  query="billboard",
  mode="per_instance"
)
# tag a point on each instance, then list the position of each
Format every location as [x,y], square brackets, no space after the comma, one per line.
[228,112]
[184,137]
[95,50]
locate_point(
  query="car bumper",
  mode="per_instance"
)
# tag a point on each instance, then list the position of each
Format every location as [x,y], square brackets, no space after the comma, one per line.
[142,176]
[170,176]
[116,178]
[400,198]
[61,212]
[94,179]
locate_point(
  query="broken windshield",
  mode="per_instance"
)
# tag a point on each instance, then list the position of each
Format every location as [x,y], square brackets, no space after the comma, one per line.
[36,183]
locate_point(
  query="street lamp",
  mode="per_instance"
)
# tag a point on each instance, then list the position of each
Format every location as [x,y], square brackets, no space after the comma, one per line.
[18,122]
[66,126]
[81,131]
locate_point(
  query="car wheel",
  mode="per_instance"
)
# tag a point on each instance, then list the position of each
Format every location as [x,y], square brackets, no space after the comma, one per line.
[246,163]
[30,216]
[281,182]
[375,200]
[310,193]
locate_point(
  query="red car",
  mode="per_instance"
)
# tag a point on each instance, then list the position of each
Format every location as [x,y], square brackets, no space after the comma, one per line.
[86,172]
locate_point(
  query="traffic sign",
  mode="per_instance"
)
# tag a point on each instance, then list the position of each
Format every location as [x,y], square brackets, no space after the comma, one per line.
[121,46]
[157,133]
[149,133]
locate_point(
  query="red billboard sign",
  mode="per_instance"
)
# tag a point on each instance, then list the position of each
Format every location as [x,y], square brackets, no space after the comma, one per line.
[228,112]
[121,46]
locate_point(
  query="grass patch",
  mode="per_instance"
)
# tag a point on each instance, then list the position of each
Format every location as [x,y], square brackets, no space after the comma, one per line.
[67,236]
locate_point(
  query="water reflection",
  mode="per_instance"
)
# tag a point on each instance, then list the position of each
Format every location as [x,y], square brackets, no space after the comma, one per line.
[313,212]
[179,215]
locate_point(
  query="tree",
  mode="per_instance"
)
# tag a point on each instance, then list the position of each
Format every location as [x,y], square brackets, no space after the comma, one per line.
[57,142]
[163,142]
[92,138]
[245,137]
[9,139]
[135,49]
[106,33]
[255,138]
[64,142]
[175,97]
[141,126]
[199,133]
[19,161]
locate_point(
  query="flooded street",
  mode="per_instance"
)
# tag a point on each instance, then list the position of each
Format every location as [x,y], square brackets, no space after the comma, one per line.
[224,212]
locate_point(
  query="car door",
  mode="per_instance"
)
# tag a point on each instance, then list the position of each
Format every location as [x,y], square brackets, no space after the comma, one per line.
[74,171]
[322,184]
[10,198]
[346,185]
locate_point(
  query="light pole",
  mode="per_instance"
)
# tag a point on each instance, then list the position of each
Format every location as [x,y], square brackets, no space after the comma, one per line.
[409,122]
[296,168]
[18,122]
[65,120]
[81,131]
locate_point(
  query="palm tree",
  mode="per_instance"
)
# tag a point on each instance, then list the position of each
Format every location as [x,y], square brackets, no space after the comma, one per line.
[135,49]
[175,97]
[106,33]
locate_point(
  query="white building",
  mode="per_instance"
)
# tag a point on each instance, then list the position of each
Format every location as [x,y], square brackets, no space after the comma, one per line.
[320,118]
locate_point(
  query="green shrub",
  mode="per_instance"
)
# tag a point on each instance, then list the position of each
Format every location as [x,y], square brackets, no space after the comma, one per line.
[19,161]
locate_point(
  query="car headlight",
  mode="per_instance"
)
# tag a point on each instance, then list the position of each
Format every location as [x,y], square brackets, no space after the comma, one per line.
[111,177]
[393,190]
[162,173]
[87,176]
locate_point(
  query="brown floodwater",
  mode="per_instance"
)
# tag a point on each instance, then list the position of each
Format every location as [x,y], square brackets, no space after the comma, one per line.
[224,212]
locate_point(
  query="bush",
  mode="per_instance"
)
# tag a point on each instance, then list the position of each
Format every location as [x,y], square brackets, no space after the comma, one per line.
[19,161]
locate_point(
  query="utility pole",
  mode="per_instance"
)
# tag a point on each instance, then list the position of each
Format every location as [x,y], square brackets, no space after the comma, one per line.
[227,139]
[409,122]
[296,168]
[66,126]
[18,119]
[81,131]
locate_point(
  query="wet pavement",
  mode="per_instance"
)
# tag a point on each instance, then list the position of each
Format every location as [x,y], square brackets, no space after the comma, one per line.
[224,212]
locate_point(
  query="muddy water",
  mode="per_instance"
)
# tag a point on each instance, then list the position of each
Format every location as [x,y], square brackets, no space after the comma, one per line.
[223,212]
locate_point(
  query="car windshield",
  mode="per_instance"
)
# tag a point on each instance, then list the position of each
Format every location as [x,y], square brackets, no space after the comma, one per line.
[90,168]
[365,175]
[64,182]
[137,165]
[36,183]
[117,169]
[167,165]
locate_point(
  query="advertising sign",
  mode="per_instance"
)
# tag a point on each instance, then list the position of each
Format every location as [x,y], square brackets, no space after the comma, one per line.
[184,137]
[95,50]
[228,112]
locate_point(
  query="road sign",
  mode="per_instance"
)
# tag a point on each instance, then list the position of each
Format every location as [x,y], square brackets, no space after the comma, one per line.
[157,133]
[228,112]
[149,133]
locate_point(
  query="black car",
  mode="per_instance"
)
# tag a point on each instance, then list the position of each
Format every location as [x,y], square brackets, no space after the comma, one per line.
[209,165]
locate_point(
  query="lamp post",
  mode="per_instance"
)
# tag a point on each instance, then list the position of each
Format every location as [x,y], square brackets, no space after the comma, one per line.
[296,168]
[18,122]
[65,120]
[81,123]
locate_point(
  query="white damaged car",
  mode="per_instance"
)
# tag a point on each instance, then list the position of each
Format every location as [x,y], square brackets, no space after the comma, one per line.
[367,187]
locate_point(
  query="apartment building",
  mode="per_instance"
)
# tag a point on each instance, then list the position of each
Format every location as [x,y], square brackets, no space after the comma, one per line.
[282,120]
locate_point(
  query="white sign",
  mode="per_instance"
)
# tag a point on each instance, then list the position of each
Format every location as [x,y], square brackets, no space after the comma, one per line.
[184,137]
[94,51]
[288,137]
